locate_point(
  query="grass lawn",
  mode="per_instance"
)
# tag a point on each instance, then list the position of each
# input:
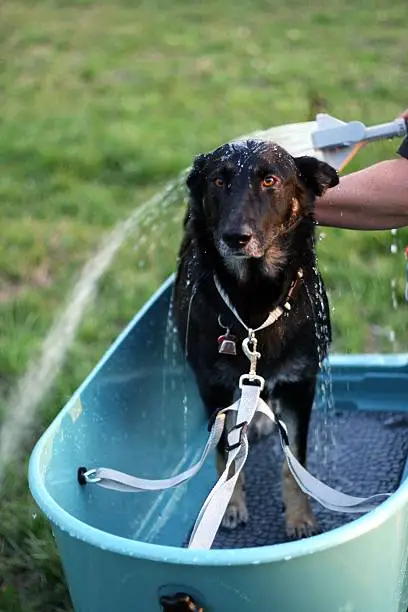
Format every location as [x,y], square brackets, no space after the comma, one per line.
[101,104]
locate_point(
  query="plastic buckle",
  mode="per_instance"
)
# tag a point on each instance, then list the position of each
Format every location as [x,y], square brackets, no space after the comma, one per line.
[252,378]
[243,427]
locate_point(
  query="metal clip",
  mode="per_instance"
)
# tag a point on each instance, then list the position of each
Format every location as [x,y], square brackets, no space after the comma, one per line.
[253,354]
[88,476]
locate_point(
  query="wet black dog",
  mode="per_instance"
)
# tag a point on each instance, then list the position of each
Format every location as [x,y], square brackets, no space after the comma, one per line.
[250,223]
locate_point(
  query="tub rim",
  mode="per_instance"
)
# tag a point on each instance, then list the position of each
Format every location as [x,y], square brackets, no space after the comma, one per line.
[80,530]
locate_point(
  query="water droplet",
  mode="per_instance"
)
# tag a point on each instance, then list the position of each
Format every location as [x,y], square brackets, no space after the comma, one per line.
[394,293]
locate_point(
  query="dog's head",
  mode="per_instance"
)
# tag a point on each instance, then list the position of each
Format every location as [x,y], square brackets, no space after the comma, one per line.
[249,194]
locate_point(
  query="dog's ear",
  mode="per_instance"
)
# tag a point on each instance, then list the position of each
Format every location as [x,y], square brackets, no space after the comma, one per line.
[316,175]
[195,177]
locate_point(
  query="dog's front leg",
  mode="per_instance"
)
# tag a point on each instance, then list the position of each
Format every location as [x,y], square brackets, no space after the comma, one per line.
[295,405]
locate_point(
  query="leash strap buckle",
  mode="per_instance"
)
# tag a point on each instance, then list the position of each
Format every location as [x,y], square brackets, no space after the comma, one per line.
[243,429]
[251,379]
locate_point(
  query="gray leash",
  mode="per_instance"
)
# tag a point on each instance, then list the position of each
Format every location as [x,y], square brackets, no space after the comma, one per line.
[212,512]
[115,480]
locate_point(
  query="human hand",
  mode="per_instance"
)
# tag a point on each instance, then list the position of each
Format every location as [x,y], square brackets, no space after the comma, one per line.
[404,114]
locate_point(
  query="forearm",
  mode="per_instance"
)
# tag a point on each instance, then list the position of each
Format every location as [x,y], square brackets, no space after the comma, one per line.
[372,199]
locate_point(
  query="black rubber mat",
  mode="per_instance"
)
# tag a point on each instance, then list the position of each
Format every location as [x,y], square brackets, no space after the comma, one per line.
[360,453]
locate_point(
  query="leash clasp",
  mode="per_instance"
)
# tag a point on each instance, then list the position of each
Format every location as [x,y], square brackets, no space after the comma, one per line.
[253,354]
[85,476]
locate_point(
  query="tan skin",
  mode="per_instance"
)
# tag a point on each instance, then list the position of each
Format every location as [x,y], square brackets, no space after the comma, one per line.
[374,198]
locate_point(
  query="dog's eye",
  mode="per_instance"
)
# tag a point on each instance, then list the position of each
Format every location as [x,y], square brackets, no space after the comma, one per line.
[218,182]
[269,181]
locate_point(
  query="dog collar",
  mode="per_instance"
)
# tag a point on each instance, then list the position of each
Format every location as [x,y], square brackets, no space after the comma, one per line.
[275,314]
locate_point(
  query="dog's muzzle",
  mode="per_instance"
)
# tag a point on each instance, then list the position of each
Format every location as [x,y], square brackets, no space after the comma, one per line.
[240,245]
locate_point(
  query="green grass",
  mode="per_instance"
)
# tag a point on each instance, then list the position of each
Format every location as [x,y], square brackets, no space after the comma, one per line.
[101,104]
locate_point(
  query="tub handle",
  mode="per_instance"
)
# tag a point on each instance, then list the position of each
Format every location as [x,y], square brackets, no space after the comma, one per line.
[180,602]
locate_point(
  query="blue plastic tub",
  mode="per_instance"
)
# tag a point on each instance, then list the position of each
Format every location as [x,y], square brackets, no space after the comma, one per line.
[122,552]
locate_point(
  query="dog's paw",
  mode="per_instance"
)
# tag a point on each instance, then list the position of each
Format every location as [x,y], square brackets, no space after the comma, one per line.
[301,524]
[260,427]
[236,514]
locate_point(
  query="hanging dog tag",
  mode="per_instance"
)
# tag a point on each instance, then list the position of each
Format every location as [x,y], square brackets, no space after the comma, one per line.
[227,345]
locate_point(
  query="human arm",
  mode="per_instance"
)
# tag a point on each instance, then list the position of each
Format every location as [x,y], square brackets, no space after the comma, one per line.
[371,199]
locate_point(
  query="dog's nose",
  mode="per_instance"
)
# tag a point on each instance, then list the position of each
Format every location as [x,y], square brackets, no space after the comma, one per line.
[236,240]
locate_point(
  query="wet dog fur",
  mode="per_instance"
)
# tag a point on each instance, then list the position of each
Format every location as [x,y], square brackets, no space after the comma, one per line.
[250,221]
